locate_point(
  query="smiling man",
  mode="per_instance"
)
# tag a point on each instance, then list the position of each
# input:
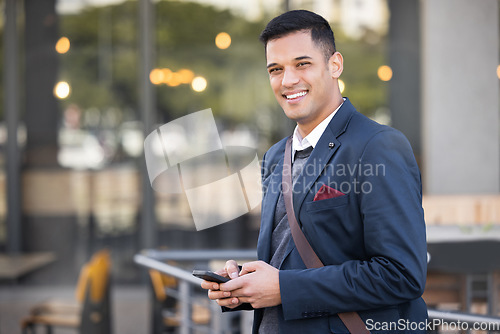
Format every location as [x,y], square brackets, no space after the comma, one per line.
[304,79]
[338,251]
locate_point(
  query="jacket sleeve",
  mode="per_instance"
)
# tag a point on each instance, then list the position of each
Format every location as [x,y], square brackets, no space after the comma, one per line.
[391,215]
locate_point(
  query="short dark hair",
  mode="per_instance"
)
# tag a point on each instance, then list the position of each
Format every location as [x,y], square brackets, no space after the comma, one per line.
[301,20]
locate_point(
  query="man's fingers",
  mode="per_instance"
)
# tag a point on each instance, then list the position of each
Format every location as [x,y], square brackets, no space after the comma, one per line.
[214,295]
[238,293]
[250,267]
[248,300]
[221,272]
[233,284]
[207,285]
[232,269]
[229,302]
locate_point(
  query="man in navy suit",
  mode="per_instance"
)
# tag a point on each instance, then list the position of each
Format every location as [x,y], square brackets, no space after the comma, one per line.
[357,199]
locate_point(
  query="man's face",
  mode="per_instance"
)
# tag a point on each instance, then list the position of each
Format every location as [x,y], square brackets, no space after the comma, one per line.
[304,84]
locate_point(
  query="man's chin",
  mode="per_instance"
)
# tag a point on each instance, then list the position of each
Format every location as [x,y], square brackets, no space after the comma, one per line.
[295,116]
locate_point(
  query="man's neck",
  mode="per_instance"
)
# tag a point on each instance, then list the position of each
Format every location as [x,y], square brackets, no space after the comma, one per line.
[305,128]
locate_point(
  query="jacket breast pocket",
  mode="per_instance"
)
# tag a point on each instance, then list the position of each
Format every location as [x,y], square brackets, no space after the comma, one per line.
[325,204]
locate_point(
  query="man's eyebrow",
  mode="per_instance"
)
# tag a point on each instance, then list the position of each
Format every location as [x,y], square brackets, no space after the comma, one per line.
[296,58]
[303,57]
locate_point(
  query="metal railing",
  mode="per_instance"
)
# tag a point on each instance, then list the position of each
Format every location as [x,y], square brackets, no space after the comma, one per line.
[154,259]
[220,322]
[457,321]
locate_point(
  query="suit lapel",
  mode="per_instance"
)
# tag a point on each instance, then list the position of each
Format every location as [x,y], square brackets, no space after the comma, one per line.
[326,147]
[269,207]
[313,168]
[320,156]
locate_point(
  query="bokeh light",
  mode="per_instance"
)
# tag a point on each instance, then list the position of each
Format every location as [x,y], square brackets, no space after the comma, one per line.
[199,84]
[175,80]
[185,76]
[167,75]
[498,71]
[341,86]
[223,40]
[62,90]
[156,76]
[384,73]
[62,45]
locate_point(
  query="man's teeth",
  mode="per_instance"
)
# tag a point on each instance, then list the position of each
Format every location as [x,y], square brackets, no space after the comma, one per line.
[296,95]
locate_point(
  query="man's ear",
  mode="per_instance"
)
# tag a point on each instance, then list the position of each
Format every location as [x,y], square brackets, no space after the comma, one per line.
[336,65]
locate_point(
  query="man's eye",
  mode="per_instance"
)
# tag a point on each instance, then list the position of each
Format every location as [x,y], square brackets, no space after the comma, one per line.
[274,70]
[302,64]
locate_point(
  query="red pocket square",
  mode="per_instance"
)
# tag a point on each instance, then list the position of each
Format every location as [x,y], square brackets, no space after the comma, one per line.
[326,192]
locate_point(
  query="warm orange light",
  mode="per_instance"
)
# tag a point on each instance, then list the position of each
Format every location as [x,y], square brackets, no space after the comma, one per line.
[498,71]
[156,76]
[341,86]
[175,80]
[185,76]
[223,40]
[384,73]
[62,45]
[167,75]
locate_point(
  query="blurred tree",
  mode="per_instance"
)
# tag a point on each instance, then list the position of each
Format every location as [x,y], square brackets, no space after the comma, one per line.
[102,63]
[362,59]
[185,40]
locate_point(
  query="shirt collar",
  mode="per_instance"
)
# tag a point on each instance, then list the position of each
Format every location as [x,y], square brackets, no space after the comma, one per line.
[299,143]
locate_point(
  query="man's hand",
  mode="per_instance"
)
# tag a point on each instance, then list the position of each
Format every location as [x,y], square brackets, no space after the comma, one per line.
[258,284]
[223,298]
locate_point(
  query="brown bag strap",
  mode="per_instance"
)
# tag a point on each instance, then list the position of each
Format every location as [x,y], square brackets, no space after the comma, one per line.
[351,320]
[311,260]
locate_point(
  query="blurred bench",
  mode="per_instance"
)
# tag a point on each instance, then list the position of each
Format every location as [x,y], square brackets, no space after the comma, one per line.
[13,267]
[90,313]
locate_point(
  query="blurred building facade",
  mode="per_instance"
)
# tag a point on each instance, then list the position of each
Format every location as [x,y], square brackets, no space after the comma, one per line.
[74,179]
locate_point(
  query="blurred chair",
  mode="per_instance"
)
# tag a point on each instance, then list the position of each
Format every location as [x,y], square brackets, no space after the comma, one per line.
[90,314]
[165,307]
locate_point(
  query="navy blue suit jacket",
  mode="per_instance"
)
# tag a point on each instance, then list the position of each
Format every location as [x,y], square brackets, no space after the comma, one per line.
[371,240]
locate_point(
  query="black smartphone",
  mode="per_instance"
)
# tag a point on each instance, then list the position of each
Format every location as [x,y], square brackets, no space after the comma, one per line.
[208,275]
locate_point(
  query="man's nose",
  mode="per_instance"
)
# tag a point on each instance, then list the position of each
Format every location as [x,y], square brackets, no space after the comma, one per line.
[290,78]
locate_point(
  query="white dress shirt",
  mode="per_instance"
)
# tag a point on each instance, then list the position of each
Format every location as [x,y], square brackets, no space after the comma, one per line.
[299,143]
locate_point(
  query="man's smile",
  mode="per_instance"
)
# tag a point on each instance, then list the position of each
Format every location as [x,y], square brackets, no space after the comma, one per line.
[293,96]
